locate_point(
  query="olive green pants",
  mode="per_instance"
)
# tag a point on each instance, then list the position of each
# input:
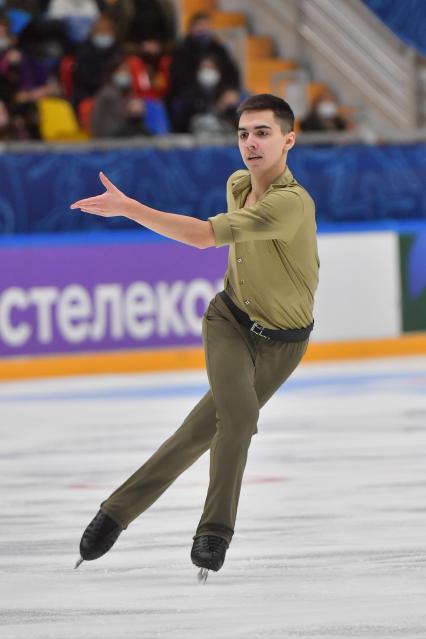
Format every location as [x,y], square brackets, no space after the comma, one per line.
[244,371]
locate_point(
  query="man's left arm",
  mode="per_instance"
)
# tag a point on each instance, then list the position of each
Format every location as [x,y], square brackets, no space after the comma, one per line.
[182,228]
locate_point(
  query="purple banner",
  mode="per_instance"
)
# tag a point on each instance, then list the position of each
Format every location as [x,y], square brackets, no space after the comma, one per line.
[109,296]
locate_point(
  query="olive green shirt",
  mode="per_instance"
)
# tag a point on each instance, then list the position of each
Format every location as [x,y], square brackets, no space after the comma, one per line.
[273,258]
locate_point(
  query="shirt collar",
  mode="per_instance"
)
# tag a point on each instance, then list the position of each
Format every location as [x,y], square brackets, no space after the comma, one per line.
[244,181]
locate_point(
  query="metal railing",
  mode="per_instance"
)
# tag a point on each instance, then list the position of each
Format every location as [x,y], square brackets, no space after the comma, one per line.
[380,66]
[342,41]
[186,141]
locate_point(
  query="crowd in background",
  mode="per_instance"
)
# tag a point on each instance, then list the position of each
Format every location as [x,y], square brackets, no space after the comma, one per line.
[118,68]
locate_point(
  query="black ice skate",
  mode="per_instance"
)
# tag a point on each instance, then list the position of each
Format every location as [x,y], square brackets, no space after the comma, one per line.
[208,553]
[99,536]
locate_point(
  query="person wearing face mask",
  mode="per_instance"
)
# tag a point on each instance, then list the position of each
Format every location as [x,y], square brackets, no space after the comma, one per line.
[198,44]
[115,112]
[324,115]
[199,97]
[93,58]
[150,68]
[23,81]
[77,17]
[222,119]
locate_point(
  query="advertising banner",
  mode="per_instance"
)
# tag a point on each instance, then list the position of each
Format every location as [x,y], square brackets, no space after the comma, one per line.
[413,281]
[104,296]
[122,291]
[358,293]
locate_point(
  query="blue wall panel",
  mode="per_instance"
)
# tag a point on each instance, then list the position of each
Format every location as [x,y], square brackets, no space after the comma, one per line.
[348,183]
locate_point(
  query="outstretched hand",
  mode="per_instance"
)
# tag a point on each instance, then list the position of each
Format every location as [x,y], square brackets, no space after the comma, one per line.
[109,204]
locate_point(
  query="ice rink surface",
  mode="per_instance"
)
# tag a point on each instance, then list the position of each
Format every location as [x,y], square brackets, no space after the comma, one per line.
[330,539]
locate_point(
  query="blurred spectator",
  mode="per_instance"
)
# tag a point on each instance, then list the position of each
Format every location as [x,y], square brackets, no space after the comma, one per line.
[199,43]
[65,9]
[23,80]
[18,18]
[77,16]
[10,56]
[21,12]
[222,119]
[150,68]
[6,132]
[149,21]
[93,58]
[199,97]
[115,112]
[324,115]
[122,13]
[46,41]
[32,7]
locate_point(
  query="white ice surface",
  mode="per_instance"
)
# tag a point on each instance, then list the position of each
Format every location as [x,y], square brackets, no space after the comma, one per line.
[330,539]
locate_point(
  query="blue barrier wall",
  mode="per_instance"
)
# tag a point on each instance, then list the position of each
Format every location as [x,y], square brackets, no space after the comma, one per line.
[348,183]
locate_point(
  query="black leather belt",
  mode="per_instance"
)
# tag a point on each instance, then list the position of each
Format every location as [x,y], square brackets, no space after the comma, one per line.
[287,335]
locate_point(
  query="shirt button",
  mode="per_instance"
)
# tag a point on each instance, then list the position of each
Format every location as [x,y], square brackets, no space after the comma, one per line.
[241,281]
[246,301]
[239,259]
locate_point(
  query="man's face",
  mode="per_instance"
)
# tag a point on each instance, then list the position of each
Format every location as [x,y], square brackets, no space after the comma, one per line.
[201,28]
[104,27]
[262,143]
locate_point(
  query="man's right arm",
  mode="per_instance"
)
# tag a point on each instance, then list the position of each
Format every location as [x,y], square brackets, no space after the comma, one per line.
[181,228]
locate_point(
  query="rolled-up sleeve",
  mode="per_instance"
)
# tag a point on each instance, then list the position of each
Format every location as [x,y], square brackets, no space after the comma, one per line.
[221,229]
[278,215]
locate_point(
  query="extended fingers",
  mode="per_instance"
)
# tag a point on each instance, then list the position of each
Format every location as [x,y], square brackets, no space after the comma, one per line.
[88,204]
[90,201]
[107,183]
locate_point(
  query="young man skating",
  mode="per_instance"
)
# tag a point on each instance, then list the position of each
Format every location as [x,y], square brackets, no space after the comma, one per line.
[255,332]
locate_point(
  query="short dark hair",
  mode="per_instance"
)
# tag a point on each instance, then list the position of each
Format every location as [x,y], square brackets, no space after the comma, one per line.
[268,102]
[197,17]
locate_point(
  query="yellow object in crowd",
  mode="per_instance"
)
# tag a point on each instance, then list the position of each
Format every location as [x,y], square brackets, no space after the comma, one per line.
[58,121]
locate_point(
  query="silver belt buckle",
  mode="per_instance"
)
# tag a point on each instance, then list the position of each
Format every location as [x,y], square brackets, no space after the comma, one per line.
[257,329]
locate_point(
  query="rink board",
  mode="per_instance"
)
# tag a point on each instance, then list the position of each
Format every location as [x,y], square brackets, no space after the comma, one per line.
[117,302]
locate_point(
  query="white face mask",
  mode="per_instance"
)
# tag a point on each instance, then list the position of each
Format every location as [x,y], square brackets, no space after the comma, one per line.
[327,109]
[208,78]
[122,79]
[103,40]
[4,43]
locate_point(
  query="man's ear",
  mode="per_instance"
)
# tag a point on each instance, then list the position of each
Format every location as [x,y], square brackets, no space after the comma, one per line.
[290,140]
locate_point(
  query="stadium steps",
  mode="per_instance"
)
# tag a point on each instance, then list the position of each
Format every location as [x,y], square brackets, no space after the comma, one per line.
[261,68]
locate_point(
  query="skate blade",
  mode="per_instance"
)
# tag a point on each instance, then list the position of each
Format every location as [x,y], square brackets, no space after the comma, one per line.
[202,575]
[79,562]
